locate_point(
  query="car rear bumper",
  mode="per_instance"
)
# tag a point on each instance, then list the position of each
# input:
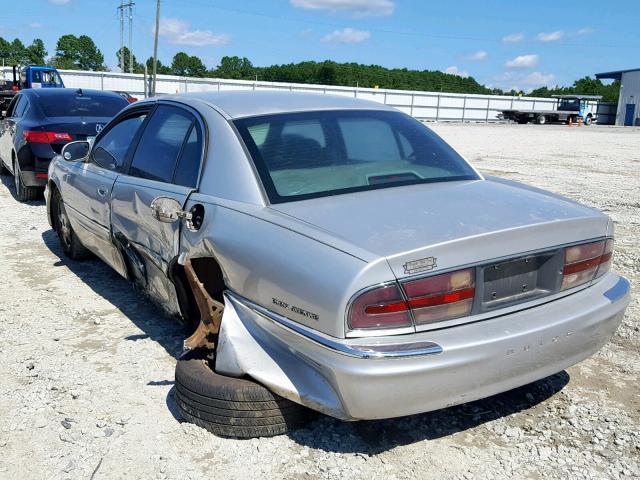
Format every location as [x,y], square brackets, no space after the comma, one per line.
[391,379]
[34,178]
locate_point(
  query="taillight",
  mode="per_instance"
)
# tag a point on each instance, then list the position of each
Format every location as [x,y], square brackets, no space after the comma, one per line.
[45,137]
[583,263]
[441,297]
[431,299]
[382,307]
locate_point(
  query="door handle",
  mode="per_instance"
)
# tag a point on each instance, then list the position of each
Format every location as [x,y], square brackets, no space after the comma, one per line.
[102,191]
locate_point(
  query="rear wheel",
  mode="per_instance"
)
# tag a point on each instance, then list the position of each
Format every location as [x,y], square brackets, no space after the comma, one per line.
[232,407]
[24,193]
[541,120]
[69,241]
[522,121]
[588,120]
[3,170]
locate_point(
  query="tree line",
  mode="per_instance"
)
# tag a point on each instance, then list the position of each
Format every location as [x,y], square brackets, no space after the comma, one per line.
[81,53]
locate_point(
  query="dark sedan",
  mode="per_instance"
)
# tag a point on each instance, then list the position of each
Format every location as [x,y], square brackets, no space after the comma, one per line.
[39,122]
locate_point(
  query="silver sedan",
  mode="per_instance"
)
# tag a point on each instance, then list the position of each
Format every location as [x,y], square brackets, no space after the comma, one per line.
[333,253]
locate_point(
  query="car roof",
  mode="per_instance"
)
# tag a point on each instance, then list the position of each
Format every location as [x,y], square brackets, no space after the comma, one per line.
[239,104]
[52,92]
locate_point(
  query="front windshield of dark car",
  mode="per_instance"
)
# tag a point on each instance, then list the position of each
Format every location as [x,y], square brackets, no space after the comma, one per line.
[315,154]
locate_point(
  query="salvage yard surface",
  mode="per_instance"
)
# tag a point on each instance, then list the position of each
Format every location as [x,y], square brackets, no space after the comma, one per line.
[86,377]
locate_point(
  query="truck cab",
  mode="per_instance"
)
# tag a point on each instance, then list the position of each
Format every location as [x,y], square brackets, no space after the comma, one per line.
[40,77]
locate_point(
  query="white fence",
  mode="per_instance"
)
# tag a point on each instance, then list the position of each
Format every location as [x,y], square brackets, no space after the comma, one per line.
[425,106]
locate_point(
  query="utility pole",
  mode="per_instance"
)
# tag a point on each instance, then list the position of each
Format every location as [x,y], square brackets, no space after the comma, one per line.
[121,13]
[155,49]
[131,4]
[121,10]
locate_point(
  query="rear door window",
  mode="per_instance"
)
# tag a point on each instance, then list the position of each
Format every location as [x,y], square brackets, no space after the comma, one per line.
[21,106]
[189,162]
[161,144]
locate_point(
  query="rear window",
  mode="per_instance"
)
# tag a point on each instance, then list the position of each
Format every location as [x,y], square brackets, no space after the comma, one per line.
[86,105]
[314,154]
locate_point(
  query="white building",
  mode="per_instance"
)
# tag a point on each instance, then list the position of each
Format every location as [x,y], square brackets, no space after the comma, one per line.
[628,113]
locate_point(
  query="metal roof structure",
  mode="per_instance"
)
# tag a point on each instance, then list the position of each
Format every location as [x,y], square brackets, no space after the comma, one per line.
[615,75]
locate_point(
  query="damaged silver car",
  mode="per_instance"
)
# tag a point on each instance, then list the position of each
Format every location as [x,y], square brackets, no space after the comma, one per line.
[333,255]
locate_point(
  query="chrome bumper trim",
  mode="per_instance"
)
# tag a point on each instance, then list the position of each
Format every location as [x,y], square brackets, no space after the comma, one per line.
[381,350]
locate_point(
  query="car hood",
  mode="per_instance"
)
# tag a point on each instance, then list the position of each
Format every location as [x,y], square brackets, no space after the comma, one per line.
[456,223]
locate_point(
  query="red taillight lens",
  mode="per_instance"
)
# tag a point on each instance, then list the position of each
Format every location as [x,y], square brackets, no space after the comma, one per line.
[441,297]
[45,137]
[583,263]
[381,307]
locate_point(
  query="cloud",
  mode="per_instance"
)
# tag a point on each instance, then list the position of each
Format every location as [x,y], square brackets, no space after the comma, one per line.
[306,33]
[453,70]
[35,25]
[523,61]
[347,35]
[585,31]
[477,56]
[521,81]
[60,2]
[513,38]
[551,36]
[359,8]
[178,32]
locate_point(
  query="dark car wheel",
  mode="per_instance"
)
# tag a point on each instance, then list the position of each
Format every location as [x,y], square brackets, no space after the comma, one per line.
[541,120]
[588,120]
[24,193]
[232,407]
[3,170]
[69,241]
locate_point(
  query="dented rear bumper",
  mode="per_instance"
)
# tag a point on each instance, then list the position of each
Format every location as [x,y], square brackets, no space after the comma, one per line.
[401,375]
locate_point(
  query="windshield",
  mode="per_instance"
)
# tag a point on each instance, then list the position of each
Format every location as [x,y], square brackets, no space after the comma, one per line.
[85,105]
[314,154]
[569,104]
[49,78]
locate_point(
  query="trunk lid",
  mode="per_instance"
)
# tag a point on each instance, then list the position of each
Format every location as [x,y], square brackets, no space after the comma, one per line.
[80,128]
[442,226]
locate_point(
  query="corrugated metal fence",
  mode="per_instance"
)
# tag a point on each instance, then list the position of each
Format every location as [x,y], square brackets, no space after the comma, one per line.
[425,106]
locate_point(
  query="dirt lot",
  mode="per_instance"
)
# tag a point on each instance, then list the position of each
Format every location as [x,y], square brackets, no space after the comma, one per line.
[86,377]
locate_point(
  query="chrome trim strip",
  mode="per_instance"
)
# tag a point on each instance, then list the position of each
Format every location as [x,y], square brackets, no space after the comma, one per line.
[396,350]
[619,290]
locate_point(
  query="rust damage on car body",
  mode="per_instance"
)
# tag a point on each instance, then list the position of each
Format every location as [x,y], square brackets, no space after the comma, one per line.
[206,334]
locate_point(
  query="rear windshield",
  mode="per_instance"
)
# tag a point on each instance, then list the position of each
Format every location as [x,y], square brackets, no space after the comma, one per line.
[315,154]
[85,105]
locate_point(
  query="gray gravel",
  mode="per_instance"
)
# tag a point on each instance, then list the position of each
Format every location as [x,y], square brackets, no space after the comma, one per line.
[86,377]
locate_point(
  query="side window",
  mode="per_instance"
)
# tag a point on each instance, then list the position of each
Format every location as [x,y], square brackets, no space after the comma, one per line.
[21,106]
[111,149]
[12,106]
[161,143]
[189,162]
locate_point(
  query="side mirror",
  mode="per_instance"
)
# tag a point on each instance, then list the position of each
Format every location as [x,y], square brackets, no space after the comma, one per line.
[74,151]
[168,210]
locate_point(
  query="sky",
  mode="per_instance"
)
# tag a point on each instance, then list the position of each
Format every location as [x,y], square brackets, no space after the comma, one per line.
[506,44]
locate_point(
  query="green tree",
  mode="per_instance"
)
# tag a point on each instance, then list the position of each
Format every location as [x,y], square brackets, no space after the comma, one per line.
[36,52]
[190,66]
[78,53]
[234,67]
[160,68]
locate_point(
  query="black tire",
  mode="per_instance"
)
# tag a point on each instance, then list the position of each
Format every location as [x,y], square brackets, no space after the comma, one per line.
[3,170]
[24,193]
[588,120]
[523,121]
[232,407]
[541,120]
[69,241]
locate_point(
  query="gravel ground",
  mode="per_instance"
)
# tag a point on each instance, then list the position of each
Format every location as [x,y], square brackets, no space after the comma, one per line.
[86,377]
